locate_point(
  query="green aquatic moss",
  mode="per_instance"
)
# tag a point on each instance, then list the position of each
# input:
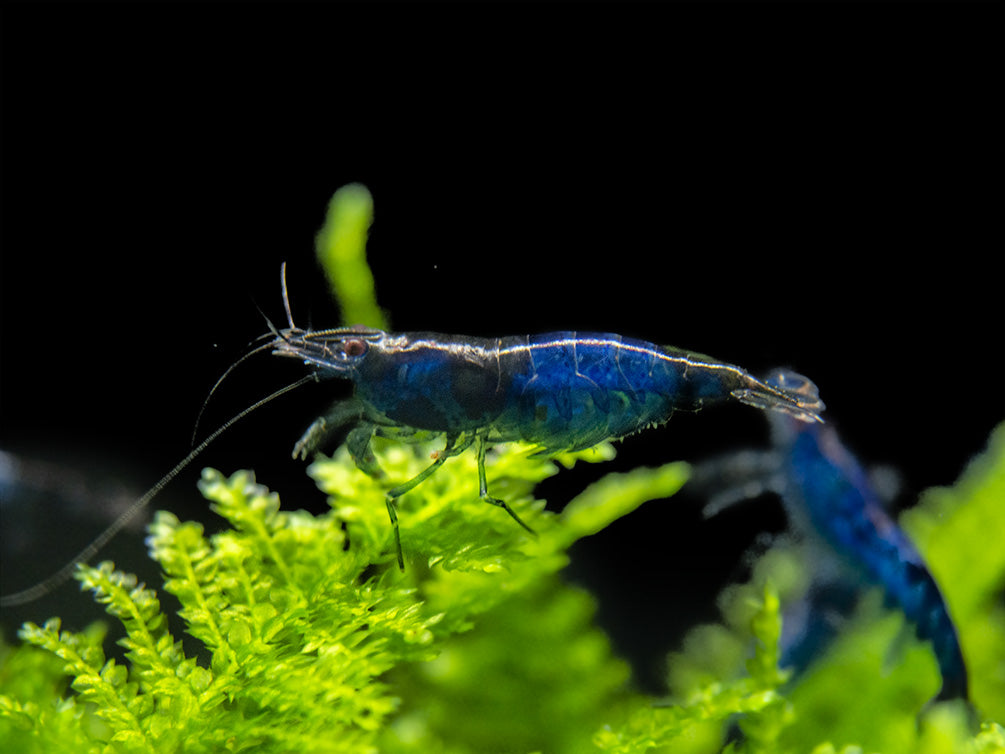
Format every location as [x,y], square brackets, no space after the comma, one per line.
[317,642]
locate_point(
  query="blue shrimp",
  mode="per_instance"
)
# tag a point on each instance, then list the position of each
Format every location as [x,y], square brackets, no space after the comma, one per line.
[830,501]
[560,391]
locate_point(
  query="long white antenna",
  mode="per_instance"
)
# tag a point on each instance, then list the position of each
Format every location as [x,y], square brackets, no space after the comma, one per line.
[63,574]
[273,333]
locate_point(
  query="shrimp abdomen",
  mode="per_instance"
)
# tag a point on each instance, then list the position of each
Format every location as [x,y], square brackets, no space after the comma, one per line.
[569,390]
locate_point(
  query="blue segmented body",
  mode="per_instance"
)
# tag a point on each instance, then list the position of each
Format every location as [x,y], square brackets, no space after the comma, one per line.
[560,391]
[829,489]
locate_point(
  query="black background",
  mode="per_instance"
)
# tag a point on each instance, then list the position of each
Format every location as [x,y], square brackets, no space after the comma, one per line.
[818,187]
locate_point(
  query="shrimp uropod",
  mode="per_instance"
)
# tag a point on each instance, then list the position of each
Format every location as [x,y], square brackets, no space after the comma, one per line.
[560,391]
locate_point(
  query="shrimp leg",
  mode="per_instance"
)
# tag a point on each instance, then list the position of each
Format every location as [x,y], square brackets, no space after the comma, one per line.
[483,490]
[456,443]
[357,442]
[339,415]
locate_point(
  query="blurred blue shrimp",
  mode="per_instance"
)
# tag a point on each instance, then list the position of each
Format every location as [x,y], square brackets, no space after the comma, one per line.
[560,391]
[831,503]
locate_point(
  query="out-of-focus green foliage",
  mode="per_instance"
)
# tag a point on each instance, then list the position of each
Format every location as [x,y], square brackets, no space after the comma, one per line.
[33,715]
[959,530]
[341,250]
[697,723]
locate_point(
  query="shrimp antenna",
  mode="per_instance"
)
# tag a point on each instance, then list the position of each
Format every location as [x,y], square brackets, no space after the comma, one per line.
[286,298]
[231,368]
[63,574]
[273,332]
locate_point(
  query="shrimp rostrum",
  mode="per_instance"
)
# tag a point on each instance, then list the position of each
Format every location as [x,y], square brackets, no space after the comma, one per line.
[560,391]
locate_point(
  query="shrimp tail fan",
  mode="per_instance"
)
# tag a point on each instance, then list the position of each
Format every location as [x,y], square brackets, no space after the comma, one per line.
[785,391]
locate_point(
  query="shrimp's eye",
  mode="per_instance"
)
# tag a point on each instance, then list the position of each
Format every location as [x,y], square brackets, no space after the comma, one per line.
[353,348]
